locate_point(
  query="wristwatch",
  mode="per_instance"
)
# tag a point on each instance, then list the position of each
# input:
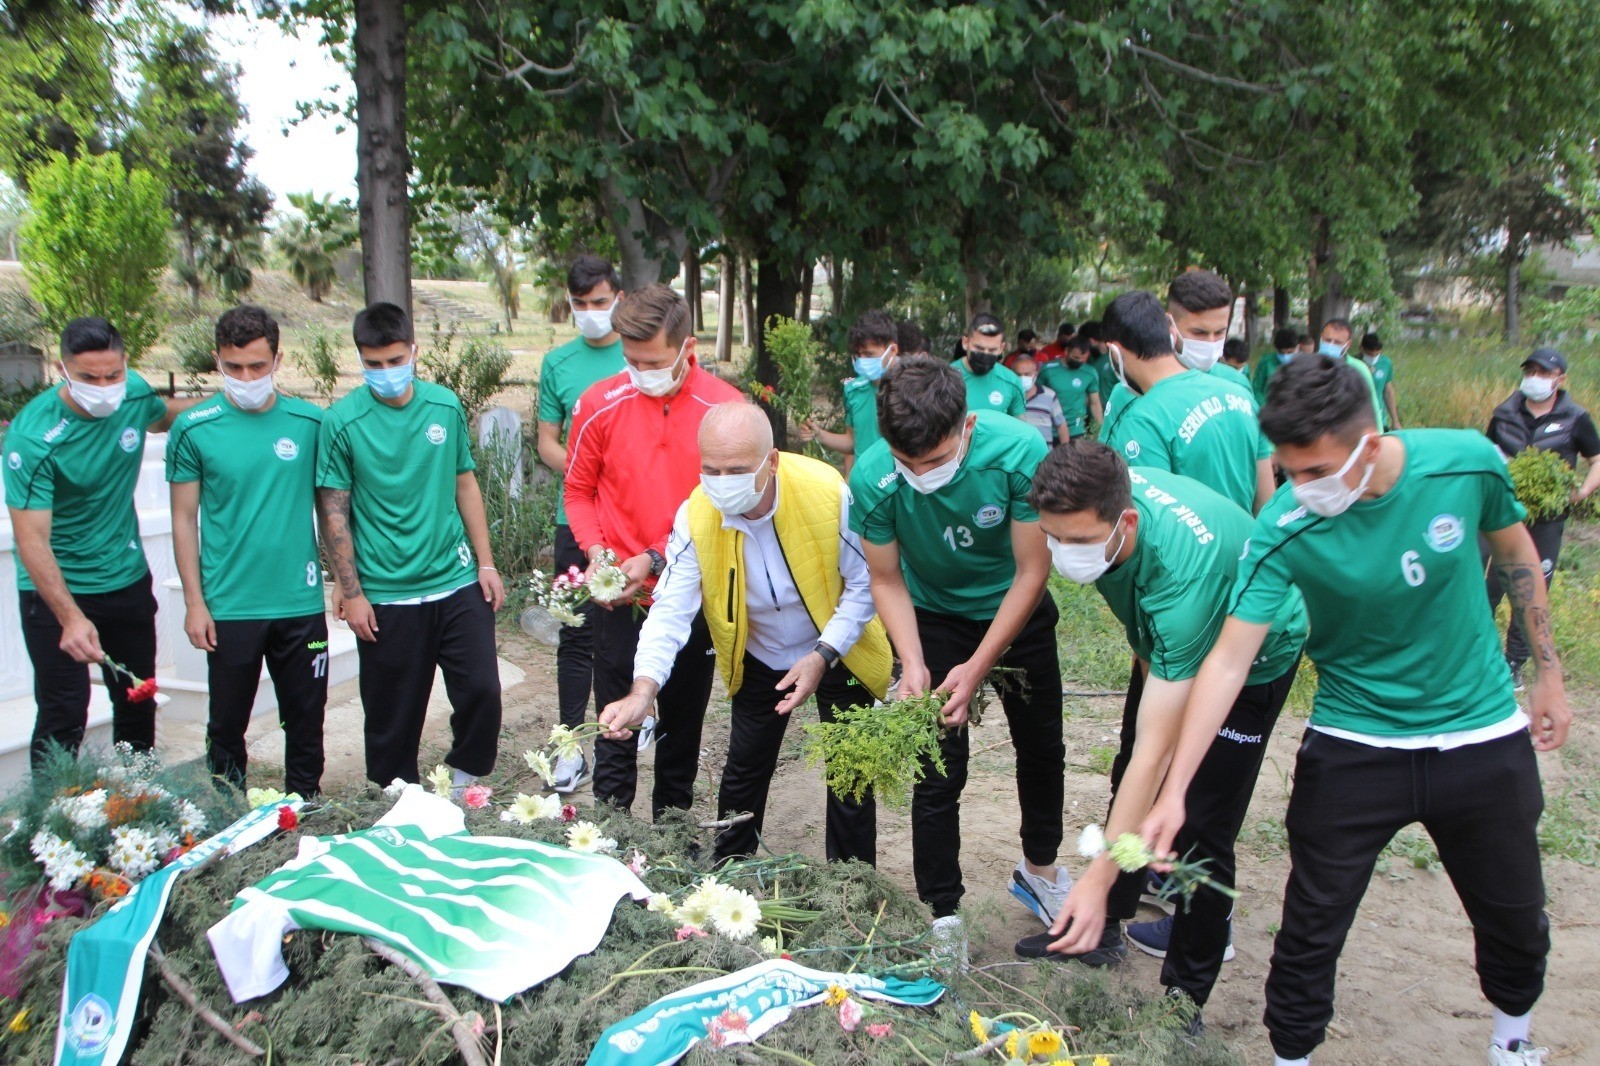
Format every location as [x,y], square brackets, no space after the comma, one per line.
[829,656]
[658,562]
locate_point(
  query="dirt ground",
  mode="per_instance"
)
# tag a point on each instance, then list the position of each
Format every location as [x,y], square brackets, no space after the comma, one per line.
[1407,992]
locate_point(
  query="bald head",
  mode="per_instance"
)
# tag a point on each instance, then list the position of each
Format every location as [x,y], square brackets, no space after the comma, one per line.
[735,438]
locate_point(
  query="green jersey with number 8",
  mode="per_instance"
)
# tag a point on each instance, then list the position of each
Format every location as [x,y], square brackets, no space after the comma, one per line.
[1402,635]
[955,544]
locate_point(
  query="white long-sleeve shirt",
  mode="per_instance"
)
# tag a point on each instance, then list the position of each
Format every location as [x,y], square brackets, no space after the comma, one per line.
[781,631]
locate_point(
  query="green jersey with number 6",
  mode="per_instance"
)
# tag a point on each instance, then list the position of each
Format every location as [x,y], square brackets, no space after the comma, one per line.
[955,544]
[399,465]
[1200,425]
[257,473]
[1172,593]
[1401,632]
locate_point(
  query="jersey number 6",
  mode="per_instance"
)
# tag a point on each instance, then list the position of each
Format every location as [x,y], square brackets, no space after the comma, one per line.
[1411,567]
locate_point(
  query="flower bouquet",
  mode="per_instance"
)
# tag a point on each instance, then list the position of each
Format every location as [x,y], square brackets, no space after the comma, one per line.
[1132,854]
[559,598]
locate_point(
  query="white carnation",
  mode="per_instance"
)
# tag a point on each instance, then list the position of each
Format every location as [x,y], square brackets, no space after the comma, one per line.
[1091,842]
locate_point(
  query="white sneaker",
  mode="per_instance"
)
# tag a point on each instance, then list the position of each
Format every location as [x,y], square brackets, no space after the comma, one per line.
[948,943]
[1520,1053]
[1044,898]
[569,773]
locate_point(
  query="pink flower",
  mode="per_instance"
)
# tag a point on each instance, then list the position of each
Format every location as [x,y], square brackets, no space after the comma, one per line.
[637,863]
[686,932]
[724,1025]
[568,813]
[880,1030]
[477,796]
[849,1015]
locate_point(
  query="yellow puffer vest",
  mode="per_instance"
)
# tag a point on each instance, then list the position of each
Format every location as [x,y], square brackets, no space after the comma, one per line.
[807,525]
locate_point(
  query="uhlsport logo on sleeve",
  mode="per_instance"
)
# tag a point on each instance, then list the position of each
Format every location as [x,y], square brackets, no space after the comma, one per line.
[14,460]
[1132,449]
[435,434]
[1445,533]
[285,449]
[129,439]
[989,516]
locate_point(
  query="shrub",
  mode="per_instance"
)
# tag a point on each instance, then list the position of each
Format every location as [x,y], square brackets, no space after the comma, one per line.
[1543,481]
[319,361]
[521,516]
[474,376]
[192,345]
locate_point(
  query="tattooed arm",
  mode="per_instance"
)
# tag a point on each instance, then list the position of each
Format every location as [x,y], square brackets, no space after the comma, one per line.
[1516,561]
[333,509]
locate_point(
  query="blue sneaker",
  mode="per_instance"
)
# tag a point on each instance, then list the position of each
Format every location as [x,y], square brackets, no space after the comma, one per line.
[1150,894]
[1044,898]
[1153,938]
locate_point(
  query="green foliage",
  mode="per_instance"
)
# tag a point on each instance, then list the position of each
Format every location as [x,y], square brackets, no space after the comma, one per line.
[521,515]
[311,240]
[795,351]
[57,93]
[14,398]
[1543,481]
[96,244]
[1575,313]
[319,361]
[475,376]
[19,318]
[194,345]
[880,748]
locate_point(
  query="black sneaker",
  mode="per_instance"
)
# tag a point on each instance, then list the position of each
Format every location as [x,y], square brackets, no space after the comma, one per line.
[1188,1011]
[1517,684]
[1113,951]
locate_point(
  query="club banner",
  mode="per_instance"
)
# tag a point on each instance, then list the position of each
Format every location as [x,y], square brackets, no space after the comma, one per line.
[761,996]
[105,962]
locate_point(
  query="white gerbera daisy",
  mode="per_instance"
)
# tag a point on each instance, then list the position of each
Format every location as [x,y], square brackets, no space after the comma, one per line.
[662,903]
[539,763]
[736,914]
[441,780]
[584,836]
[191,819]
[565,742]
[608,583]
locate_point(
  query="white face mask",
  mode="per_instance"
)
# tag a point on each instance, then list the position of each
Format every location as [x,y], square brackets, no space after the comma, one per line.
[658,382]
[1114,354]
[1085,563]
[933,480]
[735,493]
[1200,355]
[1027,381]
[1330,496]
[1538,389]
[97,401]
[593,324]
[248,395]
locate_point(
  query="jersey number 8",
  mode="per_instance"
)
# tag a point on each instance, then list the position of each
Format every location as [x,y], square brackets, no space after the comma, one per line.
[1411,568]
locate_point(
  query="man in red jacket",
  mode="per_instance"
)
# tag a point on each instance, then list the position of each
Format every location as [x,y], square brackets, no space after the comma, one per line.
[633,456]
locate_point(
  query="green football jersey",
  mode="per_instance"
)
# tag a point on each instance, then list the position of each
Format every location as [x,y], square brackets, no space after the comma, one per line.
[861,412]
[1198,425]
[1100,363]
[563,376]
[1172,594]
[998,390]
[257,472]
[1382,371]
[1373,387]
[399,465]
[1072,386]
[955,544]
[1230,373]
[1401,632]
[1261,377]
[83,471]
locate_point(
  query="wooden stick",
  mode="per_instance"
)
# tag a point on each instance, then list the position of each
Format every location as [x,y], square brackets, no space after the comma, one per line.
[727,823]
[187,993]
[465,1041]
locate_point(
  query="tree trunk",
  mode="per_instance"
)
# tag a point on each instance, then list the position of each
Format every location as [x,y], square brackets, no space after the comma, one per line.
[1513,264]
[808,279]
[1329,299]
[977,282]
[836,286]
[1252,317]
[650,250]
[725,297]
[186,232]
[382,161]
[1280,307]
[777,286]
[747,299]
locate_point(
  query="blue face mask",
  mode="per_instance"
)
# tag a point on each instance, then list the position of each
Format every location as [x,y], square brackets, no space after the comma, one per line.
[869,367]
[1284,357]
[1331,350]
[391,382]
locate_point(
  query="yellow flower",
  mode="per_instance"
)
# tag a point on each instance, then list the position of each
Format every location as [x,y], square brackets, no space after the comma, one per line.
[980,1030]
[1101,1060]
[1011,1043]
[1044,1043]
[836,995]
[19,1021]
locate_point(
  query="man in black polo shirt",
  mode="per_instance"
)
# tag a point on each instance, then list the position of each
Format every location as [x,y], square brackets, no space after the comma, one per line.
[1542,414]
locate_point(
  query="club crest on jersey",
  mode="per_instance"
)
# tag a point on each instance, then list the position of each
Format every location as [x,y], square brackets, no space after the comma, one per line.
[1077,383]
[89,1024]
[989,516]
[129,439]
[435,434]
[385,834]
[285,449]
[1445,533]
[1131,449]
[997,398]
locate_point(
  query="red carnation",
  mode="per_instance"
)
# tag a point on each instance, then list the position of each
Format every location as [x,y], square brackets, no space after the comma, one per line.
[568,813]
[287,819]
[144,690]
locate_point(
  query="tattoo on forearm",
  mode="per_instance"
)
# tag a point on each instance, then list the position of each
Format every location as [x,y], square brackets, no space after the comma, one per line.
[1522,584]
[335,507]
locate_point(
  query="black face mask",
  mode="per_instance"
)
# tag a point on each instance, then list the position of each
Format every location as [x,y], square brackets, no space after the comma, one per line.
[1074,363]
[982,362]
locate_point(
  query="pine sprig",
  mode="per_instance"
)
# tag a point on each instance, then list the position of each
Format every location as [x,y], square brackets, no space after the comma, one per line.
[1543,482]
[881,748]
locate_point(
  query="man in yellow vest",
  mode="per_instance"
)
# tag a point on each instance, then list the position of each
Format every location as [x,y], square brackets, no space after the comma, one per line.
[764,547]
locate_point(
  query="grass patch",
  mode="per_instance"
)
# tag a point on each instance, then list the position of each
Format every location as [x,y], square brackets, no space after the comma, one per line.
[1093,647]
[1570,828]
[1101,756]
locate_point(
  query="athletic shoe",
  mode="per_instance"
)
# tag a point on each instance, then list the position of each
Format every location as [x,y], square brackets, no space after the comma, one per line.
[1194,1027]
[1151,893]
[947,944]
[1520,1053]
[1043,898]
[1153,938]
[569,773]
[1112,951]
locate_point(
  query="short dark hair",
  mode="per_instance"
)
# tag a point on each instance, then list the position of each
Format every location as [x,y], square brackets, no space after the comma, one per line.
[1302,338]
[985,323]
[1066,328]
[921,401]
[1082,475]
[1200,290]
[238,326]
[587,271]
[1080,343]
[1284,338]
[1235,350]
[1026,335]
[1136,322]
[92,334]
[1372,343]
[910,338]
[1310,398]
[656,308]
[1340,323]
[382,324]
[873,327]
[1090,331]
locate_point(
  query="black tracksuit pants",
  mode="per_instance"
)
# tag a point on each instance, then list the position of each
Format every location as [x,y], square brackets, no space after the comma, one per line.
[296,654]
[575,653]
